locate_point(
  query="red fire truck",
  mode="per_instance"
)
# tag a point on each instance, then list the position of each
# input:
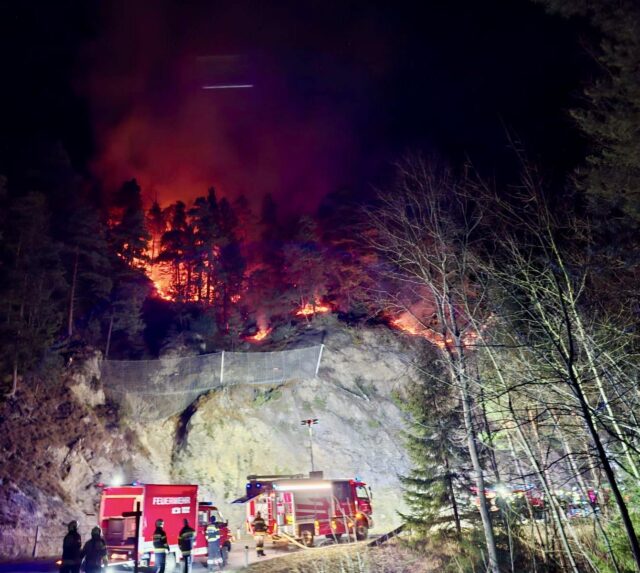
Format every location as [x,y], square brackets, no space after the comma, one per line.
[302,508]
[172,503]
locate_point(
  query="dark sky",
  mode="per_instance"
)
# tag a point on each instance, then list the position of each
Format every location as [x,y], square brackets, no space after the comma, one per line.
[341,89]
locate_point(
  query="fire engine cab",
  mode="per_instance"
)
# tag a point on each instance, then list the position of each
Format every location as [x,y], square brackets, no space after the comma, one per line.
[172,503]
[301,508]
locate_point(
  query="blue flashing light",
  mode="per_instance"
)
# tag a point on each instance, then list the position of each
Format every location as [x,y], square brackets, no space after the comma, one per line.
[258,485]
[248,486]
[357,478]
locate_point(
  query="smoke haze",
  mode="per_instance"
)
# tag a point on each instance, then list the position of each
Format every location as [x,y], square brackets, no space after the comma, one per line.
[291,135]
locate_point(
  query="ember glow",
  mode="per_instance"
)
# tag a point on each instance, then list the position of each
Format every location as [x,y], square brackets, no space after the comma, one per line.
[411,325]
[160,280]
[311,309]
[260,335]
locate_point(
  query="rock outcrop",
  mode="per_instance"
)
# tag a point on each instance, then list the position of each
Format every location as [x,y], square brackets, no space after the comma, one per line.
[226,435]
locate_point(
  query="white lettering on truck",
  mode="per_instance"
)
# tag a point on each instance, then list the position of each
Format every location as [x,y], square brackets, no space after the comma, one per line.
[170,500]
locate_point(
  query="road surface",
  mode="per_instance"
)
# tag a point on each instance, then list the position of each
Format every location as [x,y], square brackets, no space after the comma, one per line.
[238,558]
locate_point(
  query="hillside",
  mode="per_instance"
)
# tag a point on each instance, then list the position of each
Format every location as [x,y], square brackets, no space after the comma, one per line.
[229,434]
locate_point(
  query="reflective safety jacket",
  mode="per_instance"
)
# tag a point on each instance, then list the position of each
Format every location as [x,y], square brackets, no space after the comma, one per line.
[212,533]
[186,540]
[72,549]
[160,544]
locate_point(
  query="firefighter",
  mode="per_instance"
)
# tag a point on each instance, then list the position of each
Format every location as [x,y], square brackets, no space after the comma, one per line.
[71,549]
[160,546]
[259,532]
[214,556]
[94,552]
[186,542]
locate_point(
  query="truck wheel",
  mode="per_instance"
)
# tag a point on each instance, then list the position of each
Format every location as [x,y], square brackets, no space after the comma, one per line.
[362,531]
[334,537]
[307,537]
[170,564]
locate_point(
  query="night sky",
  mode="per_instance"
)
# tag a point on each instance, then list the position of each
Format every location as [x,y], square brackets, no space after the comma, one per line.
[341,90]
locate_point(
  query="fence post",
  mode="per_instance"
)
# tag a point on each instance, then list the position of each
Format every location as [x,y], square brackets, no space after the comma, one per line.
[35,545]
[319,357]
[222,369]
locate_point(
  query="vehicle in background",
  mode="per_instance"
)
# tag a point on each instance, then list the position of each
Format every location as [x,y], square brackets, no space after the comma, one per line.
[301,508]
[170,502]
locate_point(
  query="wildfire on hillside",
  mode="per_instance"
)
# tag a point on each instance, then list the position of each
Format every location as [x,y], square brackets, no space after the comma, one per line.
[310,309]
[160,281]
[411,325]
[260,335]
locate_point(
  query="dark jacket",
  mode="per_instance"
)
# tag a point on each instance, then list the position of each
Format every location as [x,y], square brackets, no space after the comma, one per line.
[72,548]
[259,525]
[160,543]
[94,553]
[186,539]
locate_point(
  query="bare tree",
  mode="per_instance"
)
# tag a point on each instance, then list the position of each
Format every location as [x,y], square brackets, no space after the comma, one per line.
[544,272]
[424,228]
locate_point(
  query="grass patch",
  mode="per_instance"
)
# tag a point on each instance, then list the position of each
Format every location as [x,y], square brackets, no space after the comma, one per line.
[393,557]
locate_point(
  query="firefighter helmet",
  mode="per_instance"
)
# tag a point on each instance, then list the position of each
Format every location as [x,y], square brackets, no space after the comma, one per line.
[73,525]
[96,532]
[159,522]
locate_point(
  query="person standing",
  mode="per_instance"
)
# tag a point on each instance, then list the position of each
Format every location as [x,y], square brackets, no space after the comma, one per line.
[160,546]
[259,533]
[186,543]
[212,533]
[71,549]
[94,552]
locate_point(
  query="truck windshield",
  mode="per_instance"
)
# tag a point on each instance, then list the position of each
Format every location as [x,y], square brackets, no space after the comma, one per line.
[361,492]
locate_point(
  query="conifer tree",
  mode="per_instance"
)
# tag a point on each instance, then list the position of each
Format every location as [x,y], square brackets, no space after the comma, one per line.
[89,265]
[435,486]
[304,264]
[33,288]
[610,118]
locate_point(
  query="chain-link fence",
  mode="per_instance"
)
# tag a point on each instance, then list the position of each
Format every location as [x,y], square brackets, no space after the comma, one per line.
[157,389]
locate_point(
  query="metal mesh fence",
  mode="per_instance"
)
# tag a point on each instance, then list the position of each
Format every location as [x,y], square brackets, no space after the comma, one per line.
[156,389]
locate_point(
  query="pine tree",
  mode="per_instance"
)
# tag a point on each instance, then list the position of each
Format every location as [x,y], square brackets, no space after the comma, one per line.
[157,225]
[205,220]
[33,288]
[129,241]
[304,264]
[435,486]
[129,236]
[89,265]
[610,118]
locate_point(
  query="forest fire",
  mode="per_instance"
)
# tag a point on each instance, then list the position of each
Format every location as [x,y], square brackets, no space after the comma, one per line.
[411,325]
[160,281]
[310,309]
[259,336]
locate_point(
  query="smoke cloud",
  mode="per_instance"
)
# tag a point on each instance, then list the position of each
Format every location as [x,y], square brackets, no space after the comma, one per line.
[292,134]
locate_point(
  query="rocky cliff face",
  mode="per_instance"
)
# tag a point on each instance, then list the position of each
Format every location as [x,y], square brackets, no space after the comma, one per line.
[227,435]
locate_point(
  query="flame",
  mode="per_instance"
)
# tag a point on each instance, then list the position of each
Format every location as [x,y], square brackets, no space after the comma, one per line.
[160,281]
[411,325]
[263,330]
[310,309]
[260,335]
